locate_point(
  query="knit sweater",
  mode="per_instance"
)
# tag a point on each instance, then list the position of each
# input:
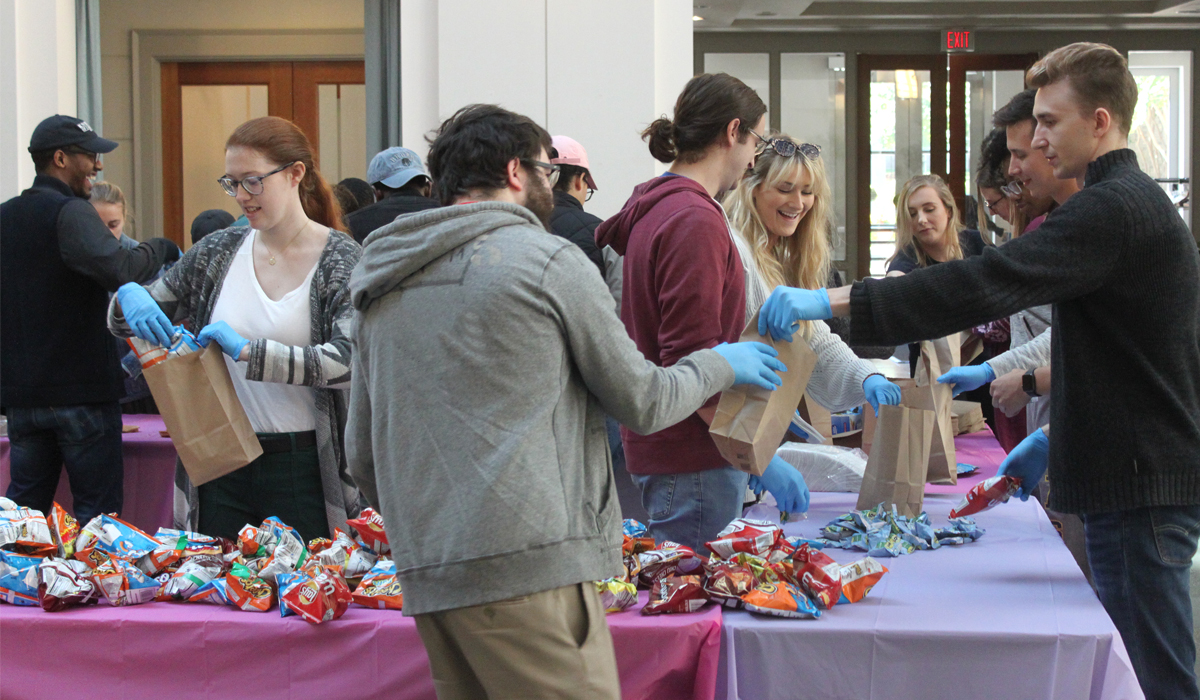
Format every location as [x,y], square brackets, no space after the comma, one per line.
[188,293]
[837,379]
[1115,257]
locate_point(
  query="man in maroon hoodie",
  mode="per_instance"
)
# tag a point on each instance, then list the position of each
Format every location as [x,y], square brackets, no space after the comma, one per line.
[684,290]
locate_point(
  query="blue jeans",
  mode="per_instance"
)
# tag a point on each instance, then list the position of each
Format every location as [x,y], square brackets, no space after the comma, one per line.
[1141,560]
[691,508]
[86,439]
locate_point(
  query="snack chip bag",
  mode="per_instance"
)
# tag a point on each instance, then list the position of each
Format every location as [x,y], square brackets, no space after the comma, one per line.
[380,588]
[858,578]
[192,574]
[633,528]
[283,583]
[250,545]
[25,530]
[987,494]
[288,554]
[247,591]
[215,591]
[346,553]
[675,594]
[111,535]
[369,526]
[64,529]
[819,575]
[662,561]
[616,595]
[636,545]
[757,537]
[728,582]
[318,598]
[19,578]
[319,544]
[781,600]
[64,583]
[122,583]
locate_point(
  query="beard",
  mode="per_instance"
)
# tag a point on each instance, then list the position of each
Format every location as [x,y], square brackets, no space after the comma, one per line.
[540,200]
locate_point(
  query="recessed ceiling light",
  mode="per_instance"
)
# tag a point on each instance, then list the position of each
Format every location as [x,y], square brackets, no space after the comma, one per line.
[697,18]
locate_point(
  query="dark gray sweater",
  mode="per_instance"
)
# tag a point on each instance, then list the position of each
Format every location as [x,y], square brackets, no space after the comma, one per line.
[1123,273]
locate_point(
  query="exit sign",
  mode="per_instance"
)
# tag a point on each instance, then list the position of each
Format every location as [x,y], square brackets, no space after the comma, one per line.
[958,40]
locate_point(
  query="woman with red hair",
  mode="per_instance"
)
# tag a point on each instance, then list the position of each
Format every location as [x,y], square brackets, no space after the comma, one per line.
[272,295]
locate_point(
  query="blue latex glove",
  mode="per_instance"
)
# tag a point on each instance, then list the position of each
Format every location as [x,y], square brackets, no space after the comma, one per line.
[1028,461]
[231,343]
[787,305]
[753,363]
[968,378]
[785,483]
[879,390]
[144,316]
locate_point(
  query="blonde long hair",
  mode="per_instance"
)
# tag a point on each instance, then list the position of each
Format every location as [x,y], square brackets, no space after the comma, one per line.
[905,236]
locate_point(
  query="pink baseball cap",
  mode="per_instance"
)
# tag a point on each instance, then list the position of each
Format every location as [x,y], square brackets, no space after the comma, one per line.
[570,152]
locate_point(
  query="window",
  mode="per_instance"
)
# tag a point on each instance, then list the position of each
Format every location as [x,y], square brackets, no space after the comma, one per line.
[1160,129]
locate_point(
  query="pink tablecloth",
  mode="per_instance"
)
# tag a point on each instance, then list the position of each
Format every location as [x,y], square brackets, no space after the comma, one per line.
[979,449]
[1008,616]
[179,650]
[149,474]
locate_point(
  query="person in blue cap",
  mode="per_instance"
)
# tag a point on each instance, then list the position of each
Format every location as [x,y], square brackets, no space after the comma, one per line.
[401,187]
[60,380]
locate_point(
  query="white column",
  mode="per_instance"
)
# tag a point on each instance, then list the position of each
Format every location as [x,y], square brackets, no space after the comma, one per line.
[37,79]
[598,71]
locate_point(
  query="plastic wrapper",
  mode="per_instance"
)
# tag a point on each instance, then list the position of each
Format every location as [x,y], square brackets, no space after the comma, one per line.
[636,545]
[662,561]
[819,576]
[986,495]
[347,554]
[781,600]
[25,531]
[882,532]
[380,588]
[64,530]
[633,568]
[245,590]
[826,467]
[110,535]
[64,583]
[858,578]
[19,578]
[192,574]
[756,537]
[250,545]
[616,595]
[150,353]
[317,598]
[959,531]
[727,582]
[122,583]
[633,528]
[318,545]
[676,594]
[215,591]
[289,553]
[369,527]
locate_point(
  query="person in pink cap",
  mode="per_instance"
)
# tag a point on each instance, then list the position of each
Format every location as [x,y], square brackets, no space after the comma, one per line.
[574,187]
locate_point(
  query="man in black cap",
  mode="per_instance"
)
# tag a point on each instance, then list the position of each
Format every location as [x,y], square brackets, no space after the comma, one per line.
[59,375]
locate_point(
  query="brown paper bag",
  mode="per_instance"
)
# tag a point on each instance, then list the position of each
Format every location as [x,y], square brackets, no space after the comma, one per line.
[203,414]
[817,416]
[937,357]
[967,417]
[896,468]
[750,422]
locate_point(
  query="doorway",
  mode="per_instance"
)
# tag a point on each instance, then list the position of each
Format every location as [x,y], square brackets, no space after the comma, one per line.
[922,114]
[203,102]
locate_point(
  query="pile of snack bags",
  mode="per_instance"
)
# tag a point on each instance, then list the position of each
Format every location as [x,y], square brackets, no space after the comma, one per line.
[54,563]
[753,566]
[882,532]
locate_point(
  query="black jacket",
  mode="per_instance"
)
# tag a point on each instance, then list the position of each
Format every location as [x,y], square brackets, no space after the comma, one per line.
[1123,273]
[58,262]
[384,212]
[571,222]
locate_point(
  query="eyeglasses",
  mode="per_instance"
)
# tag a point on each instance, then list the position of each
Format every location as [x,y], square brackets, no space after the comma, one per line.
[591,192]
[1012,189]
[992,206]
[74,150]
[252,184]
[550,171]
[786,148]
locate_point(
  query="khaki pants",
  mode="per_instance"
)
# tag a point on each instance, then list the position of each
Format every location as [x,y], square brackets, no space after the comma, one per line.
[553,644]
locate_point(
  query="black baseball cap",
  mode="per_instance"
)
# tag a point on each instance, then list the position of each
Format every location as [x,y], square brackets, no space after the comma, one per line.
[61,131]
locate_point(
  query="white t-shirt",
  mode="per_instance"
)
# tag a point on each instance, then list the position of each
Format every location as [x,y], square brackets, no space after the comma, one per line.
[242,303]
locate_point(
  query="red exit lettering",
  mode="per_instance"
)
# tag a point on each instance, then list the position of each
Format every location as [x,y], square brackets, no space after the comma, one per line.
[958,41]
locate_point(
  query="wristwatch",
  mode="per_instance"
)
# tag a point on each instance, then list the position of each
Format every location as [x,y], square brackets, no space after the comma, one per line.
[1029,383]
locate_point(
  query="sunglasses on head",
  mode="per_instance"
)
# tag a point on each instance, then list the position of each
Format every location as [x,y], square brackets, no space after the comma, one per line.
[786,148]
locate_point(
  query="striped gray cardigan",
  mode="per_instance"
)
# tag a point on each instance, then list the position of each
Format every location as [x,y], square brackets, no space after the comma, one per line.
[188,293]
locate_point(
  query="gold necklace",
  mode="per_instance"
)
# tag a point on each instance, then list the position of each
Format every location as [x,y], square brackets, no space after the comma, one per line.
[271,259]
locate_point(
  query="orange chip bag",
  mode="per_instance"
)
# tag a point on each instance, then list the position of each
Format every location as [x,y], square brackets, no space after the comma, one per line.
[247,591]
[63,530]
[781,600]
[858,578]
[379,588]
[369,526]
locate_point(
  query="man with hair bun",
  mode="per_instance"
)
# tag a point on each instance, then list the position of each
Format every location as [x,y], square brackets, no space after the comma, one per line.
[1123,273]
[684,290]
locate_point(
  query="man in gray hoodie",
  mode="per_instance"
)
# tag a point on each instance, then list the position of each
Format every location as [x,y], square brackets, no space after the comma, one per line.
[487,353]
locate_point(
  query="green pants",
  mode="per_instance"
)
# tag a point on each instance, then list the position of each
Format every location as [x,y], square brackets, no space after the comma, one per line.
[285,484]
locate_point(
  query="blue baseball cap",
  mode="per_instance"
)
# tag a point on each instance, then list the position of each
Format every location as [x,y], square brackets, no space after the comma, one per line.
[394,167]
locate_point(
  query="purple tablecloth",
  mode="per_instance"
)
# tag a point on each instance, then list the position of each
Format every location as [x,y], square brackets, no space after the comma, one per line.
[181,650]
[149,474]
[1009,616]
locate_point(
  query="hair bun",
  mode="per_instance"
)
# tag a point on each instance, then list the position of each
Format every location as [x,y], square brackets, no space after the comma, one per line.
[661,137]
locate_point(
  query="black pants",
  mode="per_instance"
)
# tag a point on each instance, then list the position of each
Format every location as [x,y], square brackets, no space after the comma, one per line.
[285,484]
